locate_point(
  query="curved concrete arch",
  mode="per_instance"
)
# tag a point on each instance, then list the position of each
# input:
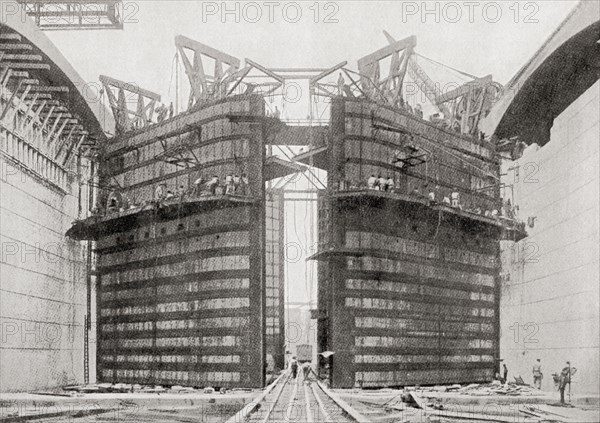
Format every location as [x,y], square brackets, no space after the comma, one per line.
[95,118]
[566,65]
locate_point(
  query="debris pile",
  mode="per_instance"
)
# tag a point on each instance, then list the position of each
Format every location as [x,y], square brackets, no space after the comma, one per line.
[419,404]
[494,388]
[517,388]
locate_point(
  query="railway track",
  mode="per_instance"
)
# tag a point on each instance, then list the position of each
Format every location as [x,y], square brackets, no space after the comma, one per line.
[287,400]
[297,400]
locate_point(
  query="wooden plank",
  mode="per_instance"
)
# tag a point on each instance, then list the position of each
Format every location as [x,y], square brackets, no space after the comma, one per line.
[16,47]
[418,400]
[31,104]
[343,405]
[39,96]
[5,77]
[25,65]
[51,89]
[389,416]
[20,74]
[61,111]
[33,57]
[243,414]
[10,101]
[13,36]
[479,417]
[278,396]
[31,81]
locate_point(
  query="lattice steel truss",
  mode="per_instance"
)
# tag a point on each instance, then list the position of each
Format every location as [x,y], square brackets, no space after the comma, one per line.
[127,119]
[26,78]
[213,74]
[82,14]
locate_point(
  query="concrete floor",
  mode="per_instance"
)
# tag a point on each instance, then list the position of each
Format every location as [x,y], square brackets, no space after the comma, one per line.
[458,406]
[215,408]
[125,408]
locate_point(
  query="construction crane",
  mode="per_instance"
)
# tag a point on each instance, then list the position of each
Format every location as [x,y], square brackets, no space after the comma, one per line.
[470,102]
[226,76]
[127,119]
[463,107]
[428,87]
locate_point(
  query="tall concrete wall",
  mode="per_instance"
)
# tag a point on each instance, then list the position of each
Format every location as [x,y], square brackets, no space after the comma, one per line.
[42,283]
[43,188]
[551,291]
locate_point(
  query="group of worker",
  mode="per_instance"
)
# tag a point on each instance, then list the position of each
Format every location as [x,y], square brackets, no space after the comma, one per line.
[162,111]
[452,200]
[417,110]
[232,185]
[295,365]
[380,183]
[561,379]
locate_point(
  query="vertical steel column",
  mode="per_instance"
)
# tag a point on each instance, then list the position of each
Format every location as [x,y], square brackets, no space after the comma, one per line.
[257,332]
[92,186]
[280,359]
[342,322]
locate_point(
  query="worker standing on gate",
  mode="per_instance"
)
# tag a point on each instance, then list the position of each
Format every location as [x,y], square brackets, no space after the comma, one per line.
[294,367]
[382,182]
[236,184]
[419,111]
[455,196]
[213,184]
[505,371]
[537,374]
[389,184]
[229,187]
[340,85]
[372,182]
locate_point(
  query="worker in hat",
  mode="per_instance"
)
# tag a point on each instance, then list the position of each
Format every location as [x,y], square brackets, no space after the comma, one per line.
[294,367]
[537,374]
[565,378]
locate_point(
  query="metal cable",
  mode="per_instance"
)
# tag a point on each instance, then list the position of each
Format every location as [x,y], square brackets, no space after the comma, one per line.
[446,66]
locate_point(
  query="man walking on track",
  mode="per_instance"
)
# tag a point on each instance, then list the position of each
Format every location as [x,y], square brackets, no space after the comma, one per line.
[306,369]
[294,367]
